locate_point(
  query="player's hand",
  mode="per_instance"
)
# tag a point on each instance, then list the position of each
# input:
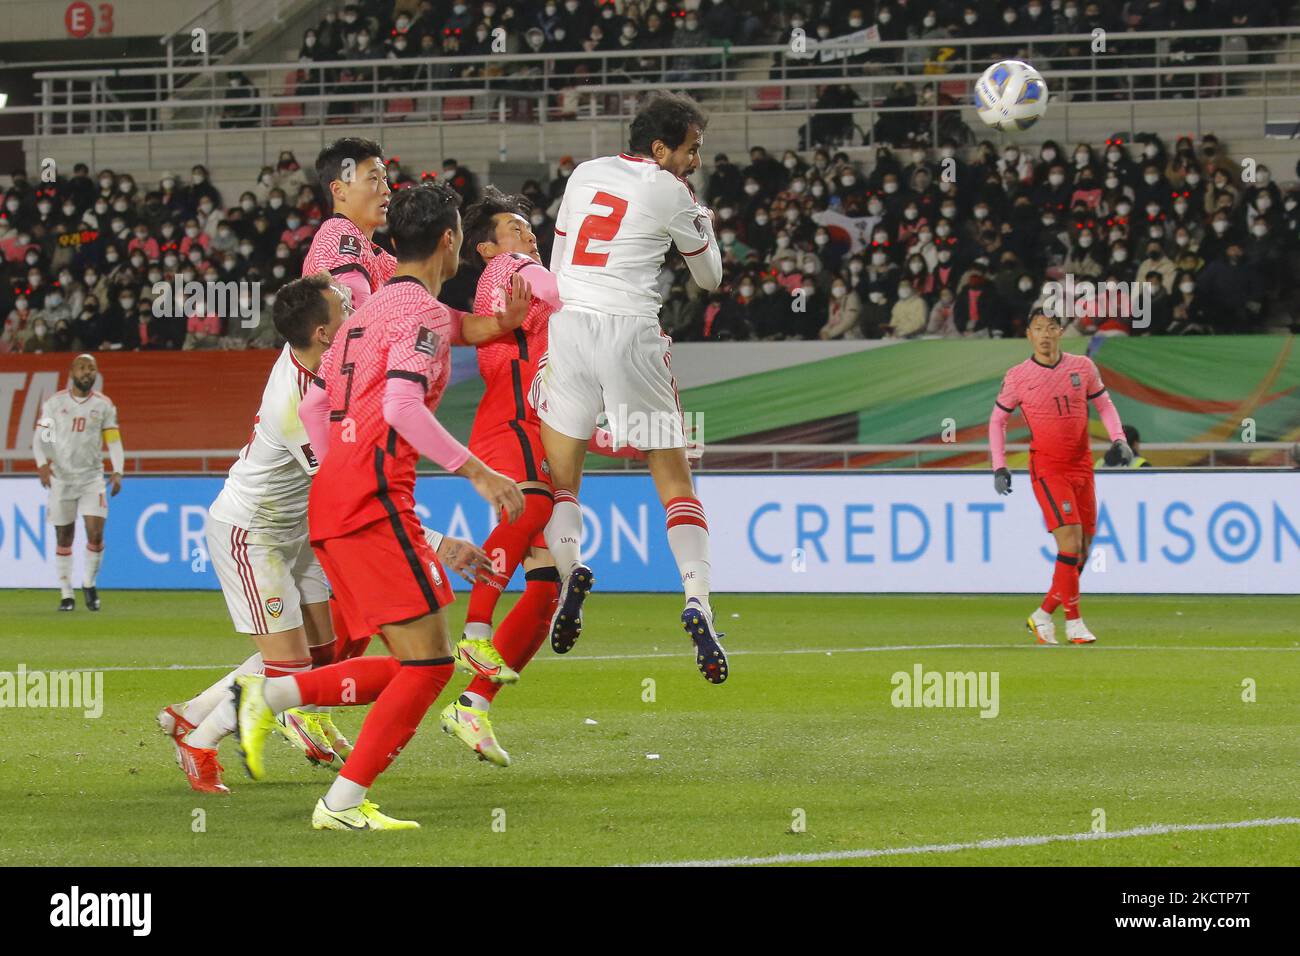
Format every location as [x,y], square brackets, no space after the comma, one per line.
[518,299]
[45,472]
[465,558]
[115,484]
[1002,481]
[498,490]
[1119,455]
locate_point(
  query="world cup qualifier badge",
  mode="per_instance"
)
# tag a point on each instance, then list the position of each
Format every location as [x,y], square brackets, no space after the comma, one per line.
[274,606]
[349,246]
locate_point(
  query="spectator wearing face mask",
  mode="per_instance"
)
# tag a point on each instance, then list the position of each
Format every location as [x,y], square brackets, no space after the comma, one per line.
[1262,197]
[940,323]
[237,112]
[1264,256]
[1157,263]
[1230,291]
[121,330]
[978,311]
[199,189]
[1186,310]
[1085,259]
[844,314]
[1217,237]
[909,315]
[1121,262]
[725,182]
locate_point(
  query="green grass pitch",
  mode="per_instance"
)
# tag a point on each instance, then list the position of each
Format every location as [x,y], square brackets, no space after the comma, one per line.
[1148,727]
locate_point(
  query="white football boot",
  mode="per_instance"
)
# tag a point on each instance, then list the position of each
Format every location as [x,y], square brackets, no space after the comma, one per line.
[1078,632]
[1040,625]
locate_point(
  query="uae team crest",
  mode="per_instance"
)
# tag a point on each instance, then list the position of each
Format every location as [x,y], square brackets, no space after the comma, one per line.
[274,606]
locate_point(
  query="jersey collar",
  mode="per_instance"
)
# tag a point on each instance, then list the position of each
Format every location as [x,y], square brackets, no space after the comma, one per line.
[1060,358]
[396,279]
[636,159]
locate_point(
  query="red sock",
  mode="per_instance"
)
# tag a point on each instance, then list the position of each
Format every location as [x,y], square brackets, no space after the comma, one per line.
[358,681]
[1065,585]
[393,720]
[506,547]
[285,668]
[526,626]
[322,655]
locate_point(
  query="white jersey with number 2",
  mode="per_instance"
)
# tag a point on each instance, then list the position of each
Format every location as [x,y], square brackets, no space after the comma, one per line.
[616,222]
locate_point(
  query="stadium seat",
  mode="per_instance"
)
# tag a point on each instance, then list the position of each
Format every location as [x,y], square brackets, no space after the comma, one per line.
[397,109]
[455,107]
[290,111]
[769,98]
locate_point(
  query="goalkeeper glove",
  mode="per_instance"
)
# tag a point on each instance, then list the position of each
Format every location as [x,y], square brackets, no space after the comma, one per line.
[1002,481]
[1119,455]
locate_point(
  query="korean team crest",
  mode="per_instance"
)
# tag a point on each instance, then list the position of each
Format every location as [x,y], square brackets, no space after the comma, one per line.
[1067,507]
[1074,379]
[275,606]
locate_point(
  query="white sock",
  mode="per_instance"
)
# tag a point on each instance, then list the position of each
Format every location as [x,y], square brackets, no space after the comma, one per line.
[477,701]
[282,693]
[63,564]
[198,707]
[1041,616]
[477,630]
[564,533]
[688,538]
[94,556]
[343,794]
[220,723]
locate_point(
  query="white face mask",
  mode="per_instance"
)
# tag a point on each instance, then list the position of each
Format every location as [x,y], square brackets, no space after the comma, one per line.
[1113,156]
[1056,179]
[1119,255]
[1150,179]
[855,267]
[1258,230]
[910,214]
[838,291]
[1192,179]
[1220,226]
[948,212]
[904,292]
[1157,232]
[1262,203]
[769,287]
[915,267]
[942,231]
[790,162]
[760,220]
[1186,287]
[981,213]
[751,189]
[1112,182]
[875,208]
[821,240]
[1081,159]
[944,255]
[1085,241]
[1180,241]
[1180,208]
[747,291]
[929,21]
[889,187]
[877,258]
[1123,208]
[1026,285]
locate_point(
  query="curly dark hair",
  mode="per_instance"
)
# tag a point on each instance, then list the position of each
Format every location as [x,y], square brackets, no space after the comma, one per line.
[666,117]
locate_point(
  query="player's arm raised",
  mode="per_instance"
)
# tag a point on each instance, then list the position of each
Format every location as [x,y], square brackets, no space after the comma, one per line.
[470,329]
[1002,408]
[691,227]
[1109,414]
[116,453]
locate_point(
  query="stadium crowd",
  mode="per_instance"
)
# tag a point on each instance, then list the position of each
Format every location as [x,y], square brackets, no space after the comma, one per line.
[814,245]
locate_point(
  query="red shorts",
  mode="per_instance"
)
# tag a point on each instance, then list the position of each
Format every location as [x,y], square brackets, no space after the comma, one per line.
[1066,497]
[382,574]
[513,448]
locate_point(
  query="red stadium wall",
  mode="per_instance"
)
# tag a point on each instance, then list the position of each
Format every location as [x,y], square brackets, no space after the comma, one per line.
[182,400]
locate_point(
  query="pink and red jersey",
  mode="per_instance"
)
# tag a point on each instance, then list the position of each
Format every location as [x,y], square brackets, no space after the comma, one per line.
[339,247]
[1054,400]
[369,474]
[508,364]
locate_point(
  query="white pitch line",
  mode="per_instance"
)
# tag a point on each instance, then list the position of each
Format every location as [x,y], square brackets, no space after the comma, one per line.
[1156,829]
[790,650]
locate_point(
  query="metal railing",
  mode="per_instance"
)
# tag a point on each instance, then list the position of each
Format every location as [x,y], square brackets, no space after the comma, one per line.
[785,457]
[1135,68]
[225,25]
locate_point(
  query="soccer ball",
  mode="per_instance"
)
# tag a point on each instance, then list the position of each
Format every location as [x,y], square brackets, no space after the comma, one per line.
[1011,95]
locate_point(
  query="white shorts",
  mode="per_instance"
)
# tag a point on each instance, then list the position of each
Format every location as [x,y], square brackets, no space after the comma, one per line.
[69,499]
[616,364]
[265,582]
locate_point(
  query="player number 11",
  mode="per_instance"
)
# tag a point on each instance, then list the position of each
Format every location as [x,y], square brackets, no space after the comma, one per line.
[1062,404]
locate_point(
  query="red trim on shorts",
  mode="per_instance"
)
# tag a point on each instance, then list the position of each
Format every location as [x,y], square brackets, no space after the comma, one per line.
[239,549]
